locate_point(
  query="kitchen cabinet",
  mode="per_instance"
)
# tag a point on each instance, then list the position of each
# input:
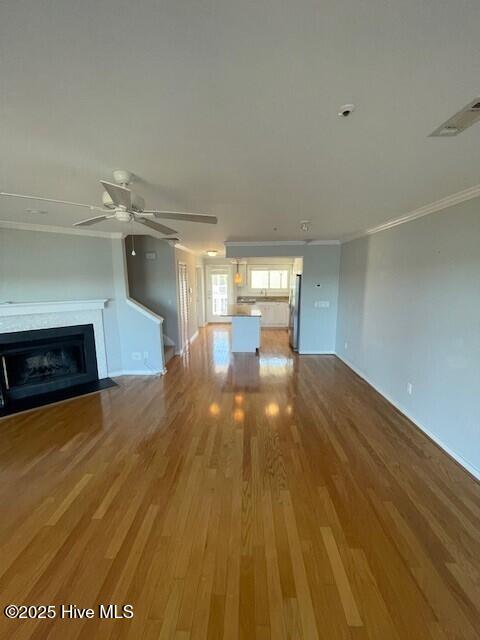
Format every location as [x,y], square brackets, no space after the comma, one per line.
[274,314]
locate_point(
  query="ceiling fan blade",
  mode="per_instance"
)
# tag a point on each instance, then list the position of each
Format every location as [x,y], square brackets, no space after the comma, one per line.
[121,196]
[156,226]
[185,216]
[88,221]
[67,202]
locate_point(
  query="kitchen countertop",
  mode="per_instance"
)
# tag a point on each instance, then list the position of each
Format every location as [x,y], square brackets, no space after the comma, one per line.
[242,310]
[254,299]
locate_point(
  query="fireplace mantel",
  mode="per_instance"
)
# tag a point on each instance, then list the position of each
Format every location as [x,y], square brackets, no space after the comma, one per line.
[55,306]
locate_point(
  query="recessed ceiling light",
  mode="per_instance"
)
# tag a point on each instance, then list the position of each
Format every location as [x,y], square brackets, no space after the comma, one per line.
[212,253]
[36,211]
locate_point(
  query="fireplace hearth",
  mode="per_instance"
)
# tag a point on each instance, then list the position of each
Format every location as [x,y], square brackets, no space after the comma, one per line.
[46,365]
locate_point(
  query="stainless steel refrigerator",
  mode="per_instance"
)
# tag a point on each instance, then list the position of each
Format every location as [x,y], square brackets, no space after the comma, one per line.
[294,328]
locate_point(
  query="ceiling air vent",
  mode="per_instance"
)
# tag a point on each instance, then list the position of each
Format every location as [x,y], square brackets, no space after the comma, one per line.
[460,121]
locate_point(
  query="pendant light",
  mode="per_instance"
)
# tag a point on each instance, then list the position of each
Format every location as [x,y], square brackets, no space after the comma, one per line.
[133,253]
[238,276]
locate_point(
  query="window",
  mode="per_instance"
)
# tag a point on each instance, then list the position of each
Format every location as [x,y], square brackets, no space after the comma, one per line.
[269,278]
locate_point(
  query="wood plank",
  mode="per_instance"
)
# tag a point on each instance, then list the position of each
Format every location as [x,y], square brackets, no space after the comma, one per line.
[317,511]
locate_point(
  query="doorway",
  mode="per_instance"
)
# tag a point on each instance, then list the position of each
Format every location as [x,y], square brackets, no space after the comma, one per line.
[219,293]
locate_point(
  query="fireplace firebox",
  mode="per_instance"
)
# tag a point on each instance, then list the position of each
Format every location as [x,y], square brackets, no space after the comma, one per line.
[46,365]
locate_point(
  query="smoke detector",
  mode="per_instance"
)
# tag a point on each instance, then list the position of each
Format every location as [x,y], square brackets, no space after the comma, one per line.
[305,225]
[463,119]
[346,110]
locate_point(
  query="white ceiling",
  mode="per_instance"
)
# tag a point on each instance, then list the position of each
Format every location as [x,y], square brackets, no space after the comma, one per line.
[230,107]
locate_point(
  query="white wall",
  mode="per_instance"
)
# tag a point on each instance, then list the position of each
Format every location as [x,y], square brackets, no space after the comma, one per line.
[39,266]
[409,312]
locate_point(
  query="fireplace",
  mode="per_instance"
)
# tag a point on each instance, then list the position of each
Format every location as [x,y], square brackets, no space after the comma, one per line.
[46,365]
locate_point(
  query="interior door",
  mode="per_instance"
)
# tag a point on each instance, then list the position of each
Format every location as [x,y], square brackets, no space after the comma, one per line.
[200,293]
[183,304]
[219,293]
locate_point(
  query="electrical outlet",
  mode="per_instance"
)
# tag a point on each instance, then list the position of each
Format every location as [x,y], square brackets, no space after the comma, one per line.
[346,346]
[321,304]
[409,388]
[136,355]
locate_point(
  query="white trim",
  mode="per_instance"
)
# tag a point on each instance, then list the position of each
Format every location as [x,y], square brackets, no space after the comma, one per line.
[433,207]
[182,247]
[194,337]
[265,243]
[308,352]
[279,243]
[136,372]
[326,242]
[47,228]
[458,458]
[138,306]
[54,306]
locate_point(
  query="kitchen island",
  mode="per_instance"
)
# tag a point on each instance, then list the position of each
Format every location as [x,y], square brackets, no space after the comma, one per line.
[245,327]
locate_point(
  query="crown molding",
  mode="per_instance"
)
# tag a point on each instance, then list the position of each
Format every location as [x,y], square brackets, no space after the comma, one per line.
[280,243]
[182,247]
[264,243]
[45,228]
[433,207]
[323,242]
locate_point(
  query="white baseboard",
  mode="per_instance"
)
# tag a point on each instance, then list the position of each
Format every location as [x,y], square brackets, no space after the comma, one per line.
[307,352]
[136,372]
[458,458]
[179,352]
[168,342]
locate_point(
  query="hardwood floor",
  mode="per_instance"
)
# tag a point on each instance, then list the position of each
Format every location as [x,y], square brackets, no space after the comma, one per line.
[237,497]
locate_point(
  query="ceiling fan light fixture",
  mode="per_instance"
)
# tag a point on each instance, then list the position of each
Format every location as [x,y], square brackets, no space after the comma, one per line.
[212,253]
[126,207]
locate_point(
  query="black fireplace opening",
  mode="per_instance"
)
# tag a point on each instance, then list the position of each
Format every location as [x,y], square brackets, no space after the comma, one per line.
[44,365]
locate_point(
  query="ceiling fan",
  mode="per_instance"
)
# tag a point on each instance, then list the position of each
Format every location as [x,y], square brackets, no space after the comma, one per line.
[127,206]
